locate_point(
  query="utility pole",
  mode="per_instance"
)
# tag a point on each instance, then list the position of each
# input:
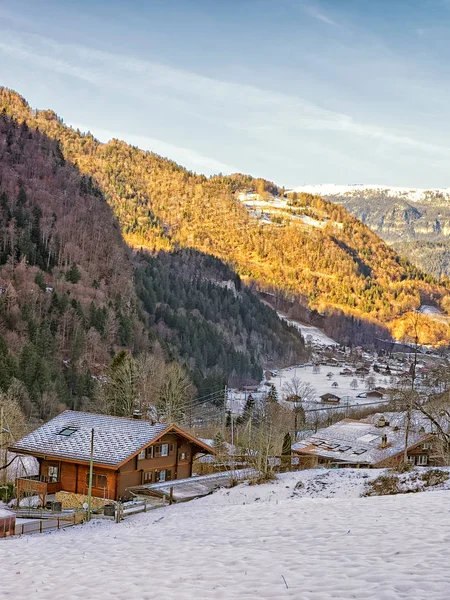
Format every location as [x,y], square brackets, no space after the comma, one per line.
[225,402]
[91,471]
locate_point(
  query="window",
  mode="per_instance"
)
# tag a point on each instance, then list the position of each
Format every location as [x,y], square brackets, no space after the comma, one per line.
[163,475]
[163,450]
[141,455]
[68,431]
[149,452]
[426,446]
[422,460]
[52,473]
[184,456]
[148,476]
[98,481]
[412,460]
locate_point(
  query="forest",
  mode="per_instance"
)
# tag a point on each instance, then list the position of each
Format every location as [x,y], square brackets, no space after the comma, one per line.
[80,311]
[161,206]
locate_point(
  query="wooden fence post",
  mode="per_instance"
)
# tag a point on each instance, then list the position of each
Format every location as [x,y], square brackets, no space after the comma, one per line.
[171,495]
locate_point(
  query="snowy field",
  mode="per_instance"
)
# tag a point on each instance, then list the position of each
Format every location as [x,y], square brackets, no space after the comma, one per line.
[247,543]
[322,384]
[310,333]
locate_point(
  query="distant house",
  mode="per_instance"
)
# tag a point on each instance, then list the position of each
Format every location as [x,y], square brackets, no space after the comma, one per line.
[7,522]
[329,398]
[346,371]
[362,371]
[352,443]
[374,394]
[127,452]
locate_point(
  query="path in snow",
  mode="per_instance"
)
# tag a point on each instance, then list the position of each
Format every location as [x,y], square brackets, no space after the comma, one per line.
[385,548]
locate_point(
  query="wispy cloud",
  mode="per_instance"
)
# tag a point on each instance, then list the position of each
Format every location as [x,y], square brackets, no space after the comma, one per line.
[317,13]
[243,108]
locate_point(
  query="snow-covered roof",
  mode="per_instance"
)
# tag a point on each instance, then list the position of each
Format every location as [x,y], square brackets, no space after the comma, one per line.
[357,442]
[69,436]
[417,420]
[5,513]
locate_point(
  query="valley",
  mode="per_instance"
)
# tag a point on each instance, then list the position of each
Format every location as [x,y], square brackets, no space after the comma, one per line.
[416,222]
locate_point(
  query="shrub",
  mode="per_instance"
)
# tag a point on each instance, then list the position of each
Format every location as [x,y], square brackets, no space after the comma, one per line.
[385,485]
[434,477]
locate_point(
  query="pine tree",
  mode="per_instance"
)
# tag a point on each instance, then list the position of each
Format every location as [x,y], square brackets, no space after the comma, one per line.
[272,396]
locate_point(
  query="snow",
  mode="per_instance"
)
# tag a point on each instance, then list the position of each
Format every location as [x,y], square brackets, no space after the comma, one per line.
[248,543]
[322,384]
[318,337]
[332,189]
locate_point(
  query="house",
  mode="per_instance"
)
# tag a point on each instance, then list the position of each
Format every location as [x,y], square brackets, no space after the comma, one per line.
[365,443]
[126,452]
[330,398]
[362,371]
[374,394]
[346,372]
[7,522]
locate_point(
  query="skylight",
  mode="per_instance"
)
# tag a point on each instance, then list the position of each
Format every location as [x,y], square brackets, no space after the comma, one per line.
[68,431]
[360,451]
[369,437]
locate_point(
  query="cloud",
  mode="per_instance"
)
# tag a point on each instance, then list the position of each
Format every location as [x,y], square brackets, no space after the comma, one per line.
[241,108]
[317,13]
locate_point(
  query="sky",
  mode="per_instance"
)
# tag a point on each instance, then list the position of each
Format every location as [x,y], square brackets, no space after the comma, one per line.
[296,91]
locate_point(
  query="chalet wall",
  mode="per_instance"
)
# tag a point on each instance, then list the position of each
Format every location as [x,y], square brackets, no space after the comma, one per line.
[73,478]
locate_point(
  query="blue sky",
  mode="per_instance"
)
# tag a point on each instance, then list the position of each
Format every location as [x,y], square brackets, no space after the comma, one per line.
[297,91]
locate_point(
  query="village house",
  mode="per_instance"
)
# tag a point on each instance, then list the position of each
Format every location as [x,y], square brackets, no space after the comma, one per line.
[7,522]
[366,443]
[126,452]
[329,398]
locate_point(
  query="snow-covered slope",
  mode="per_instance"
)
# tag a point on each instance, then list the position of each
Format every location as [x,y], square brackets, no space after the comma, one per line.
[410,194]
[260,546]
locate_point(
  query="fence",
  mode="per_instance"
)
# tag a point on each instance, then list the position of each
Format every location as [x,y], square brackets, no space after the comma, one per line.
[37,524]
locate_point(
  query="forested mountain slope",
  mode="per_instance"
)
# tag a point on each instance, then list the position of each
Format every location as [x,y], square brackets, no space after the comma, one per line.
[69,283]
[327,258]
[66,294]
[416,222]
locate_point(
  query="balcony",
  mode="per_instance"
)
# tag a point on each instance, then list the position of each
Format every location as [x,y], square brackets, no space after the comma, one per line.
[36,485]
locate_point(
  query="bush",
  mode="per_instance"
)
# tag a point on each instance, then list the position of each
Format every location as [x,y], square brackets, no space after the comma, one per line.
[403,468]
[262,478]
[385,485]
[6,492]
[434,477]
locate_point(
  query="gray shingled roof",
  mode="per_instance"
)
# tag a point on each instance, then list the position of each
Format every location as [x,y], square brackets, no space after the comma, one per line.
[357,442]
[115,438]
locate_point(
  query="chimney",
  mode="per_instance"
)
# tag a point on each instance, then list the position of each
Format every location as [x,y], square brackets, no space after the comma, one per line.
[383,441]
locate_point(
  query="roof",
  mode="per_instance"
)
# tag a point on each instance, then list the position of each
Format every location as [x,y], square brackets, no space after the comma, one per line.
[328,395]
[357,442]
[6,514]
[116,439]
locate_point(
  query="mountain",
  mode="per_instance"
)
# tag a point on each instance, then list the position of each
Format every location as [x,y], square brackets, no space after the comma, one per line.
[73,294]
[415,221]
[312,255]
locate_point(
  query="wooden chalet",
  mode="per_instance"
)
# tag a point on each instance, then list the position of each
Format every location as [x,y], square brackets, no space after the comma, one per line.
[7,522]
[329,398]
[363,443]
[127,452]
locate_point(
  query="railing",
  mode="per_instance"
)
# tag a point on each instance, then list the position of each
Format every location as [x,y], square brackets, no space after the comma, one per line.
[37,484]
[38,525]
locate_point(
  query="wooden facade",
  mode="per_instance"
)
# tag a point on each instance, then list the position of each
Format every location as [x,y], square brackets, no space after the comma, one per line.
[7,523]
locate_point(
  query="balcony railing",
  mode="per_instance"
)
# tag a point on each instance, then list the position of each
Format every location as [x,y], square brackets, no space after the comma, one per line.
[37,484]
